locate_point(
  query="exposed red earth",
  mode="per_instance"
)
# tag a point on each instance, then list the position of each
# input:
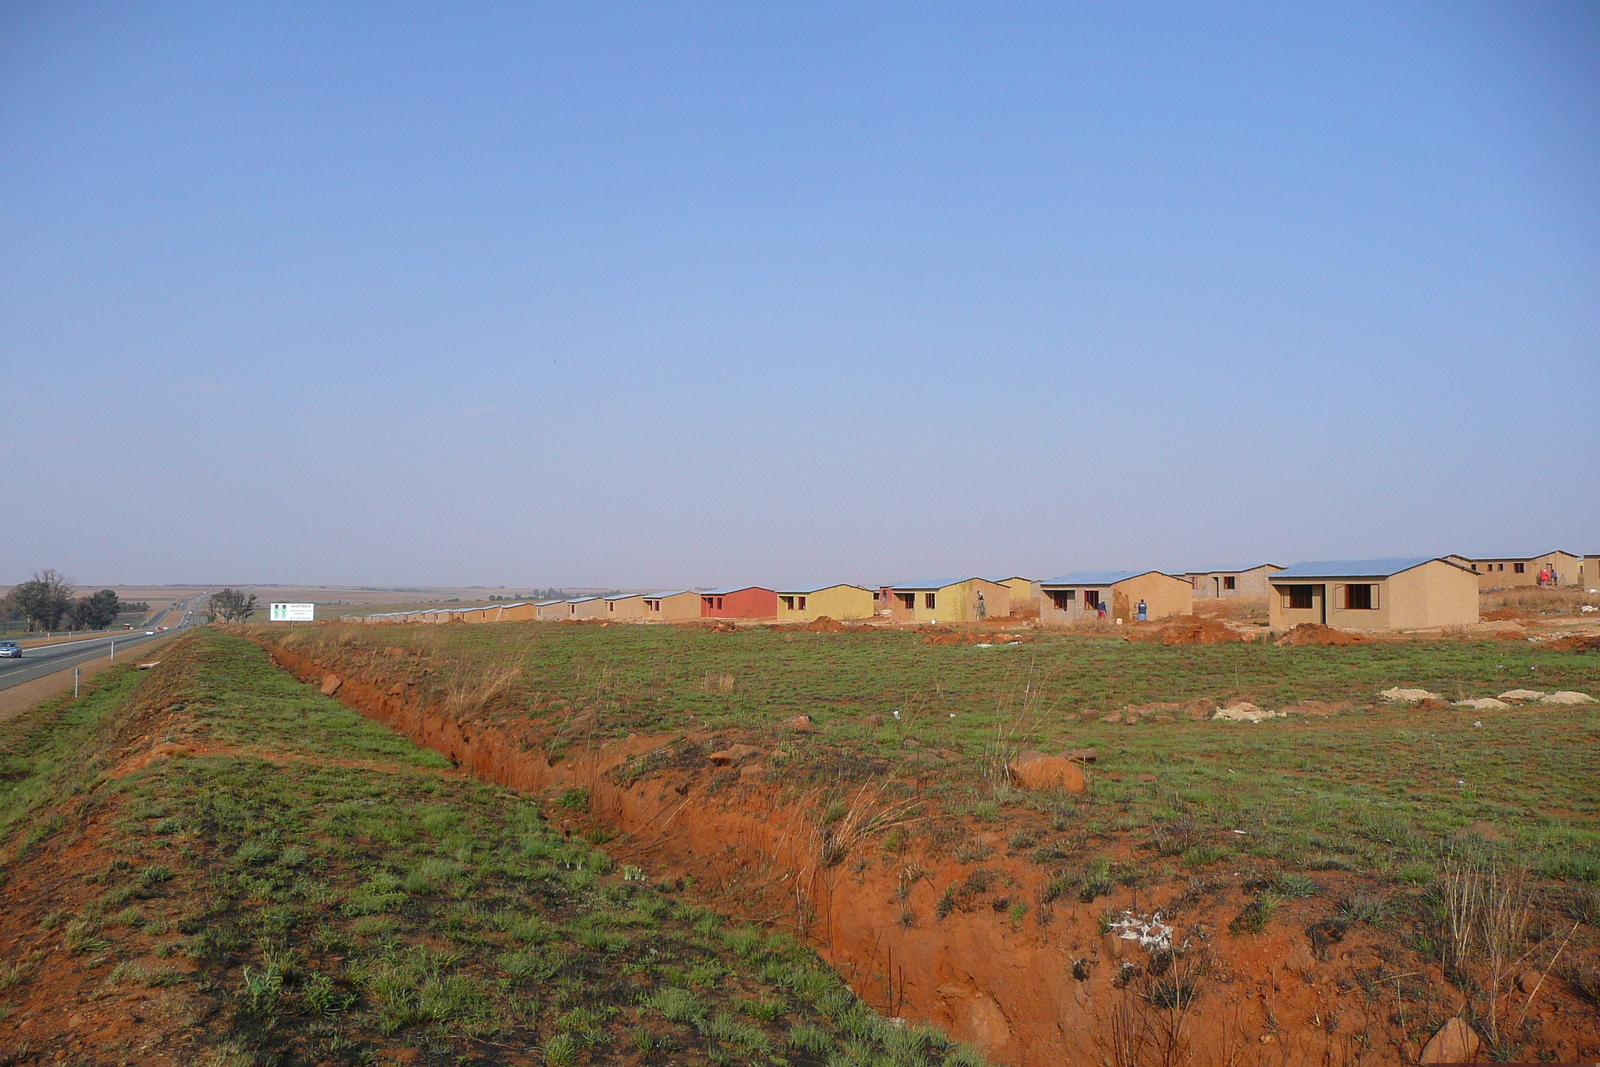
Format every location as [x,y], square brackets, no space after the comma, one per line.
[953,926]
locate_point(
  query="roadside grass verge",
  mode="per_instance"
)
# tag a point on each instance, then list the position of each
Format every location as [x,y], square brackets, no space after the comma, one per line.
[323,891]
[1375,788]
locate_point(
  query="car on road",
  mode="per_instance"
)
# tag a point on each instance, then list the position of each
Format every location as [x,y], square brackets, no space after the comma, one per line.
[10,650]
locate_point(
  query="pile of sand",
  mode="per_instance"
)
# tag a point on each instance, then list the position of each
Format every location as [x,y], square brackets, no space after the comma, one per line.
[1187,630]
[1314,633]
[824,625]
[1576,643]
[973,637]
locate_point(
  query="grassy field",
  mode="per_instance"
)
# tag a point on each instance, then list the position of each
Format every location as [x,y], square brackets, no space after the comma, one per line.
[253,873]
[1375,787]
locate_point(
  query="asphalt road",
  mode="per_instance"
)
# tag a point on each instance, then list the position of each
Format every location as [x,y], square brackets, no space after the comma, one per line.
[47,659]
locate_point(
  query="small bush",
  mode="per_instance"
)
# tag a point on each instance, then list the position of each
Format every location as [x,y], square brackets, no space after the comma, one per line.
[1364,908]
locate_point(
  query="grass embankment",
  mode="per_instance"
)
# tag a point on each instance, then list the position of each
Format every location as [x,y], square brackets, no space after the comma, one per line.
[210,862]
[1373,787]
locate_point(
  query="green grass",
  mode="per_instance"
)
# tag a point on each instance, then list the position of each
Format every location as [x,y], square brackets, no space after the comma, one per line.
[1376,788]
[333,899]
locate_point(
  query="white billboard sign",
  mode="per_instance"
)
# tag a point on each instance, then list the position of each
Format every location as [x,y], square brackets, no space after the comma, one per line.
[294,613]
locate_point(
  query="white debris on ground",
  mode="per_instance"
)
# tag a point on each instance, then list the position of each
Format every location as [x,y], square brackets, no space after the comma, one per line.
[1148,930]
[1522,694]
[1244,711]
[1482,704]
[1398,695]
[1567,697]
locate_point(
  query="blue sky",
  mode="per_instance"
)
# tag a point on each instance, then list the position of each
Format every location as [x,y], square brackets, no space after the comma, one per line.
[699,294]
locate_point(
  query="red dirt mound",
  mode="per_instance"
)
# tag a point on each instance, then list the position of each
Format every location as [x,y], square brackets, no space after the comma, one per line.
[824,625]
[972,637]
[1313,633]
[1187,630]
[1505,615]
[1576,643]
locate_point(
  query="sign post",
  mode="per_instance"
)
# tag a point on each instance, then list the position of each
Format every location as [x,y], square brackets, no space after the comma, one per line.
[293,613]
[74,683]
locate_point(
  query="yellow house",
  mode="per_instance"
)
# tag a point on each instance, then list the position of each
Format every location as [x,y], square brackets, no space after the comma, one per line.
[1024,594]
[1504,572]
[1081,596]
[1225,583]
[949,600]
[624,607]
[550,610]
[676,606]
[1589,573]
[1375,594]
[835,601]
[586,607]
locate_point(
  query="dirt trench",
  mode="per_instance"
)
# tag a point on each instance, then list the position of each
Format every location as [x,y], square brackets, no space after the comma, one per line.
[1023,991]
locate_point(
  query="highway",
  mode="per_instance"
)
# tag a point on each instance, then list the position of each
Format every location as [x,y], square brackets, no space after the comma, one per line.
[47,659]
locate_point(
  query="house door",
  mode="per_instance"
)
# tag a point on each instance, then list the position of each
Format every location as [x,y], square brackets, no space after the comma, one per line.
[1216,586]
[1322,598]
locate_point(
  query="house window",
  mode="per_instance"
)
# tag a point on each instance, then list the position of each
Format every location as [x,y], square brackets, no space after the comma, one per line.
[1502,566]
[927,601]
[1359,598]
[1063,598]
[788,602]
[1520,568]
[1301,597]
[610,606]
[1091,600]
[1229,582]
[653,605]
[802,603]
[1474,568]
[719,603]
[907,600]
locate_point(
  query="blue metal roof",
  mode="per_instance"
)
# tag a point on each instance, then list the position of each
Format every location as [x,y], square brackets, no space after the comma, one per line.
[582,599]
[939,583]
[1222,570]
[624,596]
[809,589]
[663,596]
[730,589]
[1353,568]
[1093,578]
[547,603]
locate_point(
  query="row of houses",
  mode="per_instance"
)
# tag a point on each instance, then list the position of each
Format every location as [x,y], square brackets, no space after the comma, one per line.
[1371,594]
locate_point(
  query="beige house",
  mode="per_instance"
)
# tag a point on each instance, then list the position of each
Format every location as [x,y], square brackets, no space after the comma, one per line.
[624,607]
[550,610]
[949,600]
[1375,594]
[521,612]
[675,606]
[1079,597]
[1589,574]
[586,607]
[838,602]
[1024,594]
[1504,572]
[1232,582]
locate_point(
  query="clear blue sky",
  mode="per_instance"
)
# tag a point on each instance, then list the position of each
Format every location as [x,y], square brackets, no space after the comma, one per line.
[693,294]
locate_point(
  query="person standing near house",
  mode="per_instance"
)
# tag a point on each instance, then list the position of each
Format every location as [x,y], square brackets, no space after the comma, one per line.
[1544,577]
[1100,611]
[983,609]
[1143,613]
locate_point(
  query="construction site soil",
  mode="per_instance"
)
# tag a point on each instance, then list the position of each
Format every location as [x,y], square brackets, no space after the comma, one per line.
[930,915]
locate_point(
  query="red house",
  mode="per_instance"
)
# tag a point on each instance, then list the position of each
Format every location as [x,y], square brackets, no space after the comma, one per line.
[745,602]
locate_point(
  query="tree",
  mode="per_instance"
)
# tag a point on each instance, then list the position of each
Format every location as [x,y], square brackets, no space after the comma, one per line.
[45,600]
[96,612]
[232,605]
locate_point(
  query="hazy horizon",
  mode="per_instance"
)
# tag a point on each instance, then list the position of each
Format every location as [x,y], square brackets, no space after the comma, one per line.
[642,297]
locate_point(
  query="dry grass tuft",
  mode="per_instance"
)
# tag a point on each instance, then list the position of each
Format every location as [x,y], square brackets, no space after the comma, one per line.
[717,682]
[468,692]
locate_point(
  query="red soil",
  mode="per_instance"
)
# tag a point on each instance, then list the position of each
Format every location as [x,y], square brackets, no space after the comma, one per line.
[1031,990]
[1312,633]
[1185,630]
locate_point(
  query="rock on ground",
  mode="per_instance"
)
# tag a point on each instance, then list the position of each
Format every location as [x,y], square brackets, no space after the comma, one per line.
[1568,697]
[1407,696]
[734,754]
[1245,711]
[1522,694]
[331,684]
[1482,704]
[1037,771]
[1454,1042]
